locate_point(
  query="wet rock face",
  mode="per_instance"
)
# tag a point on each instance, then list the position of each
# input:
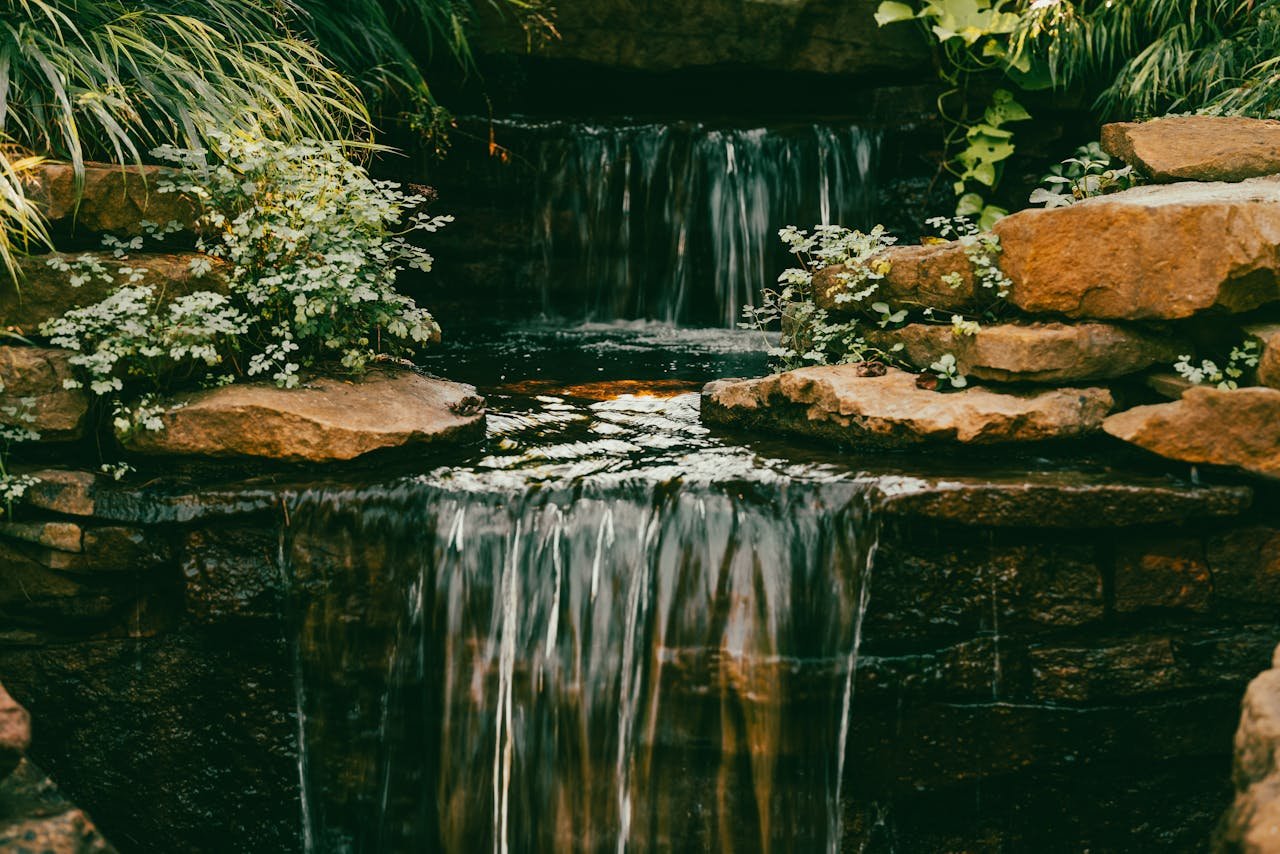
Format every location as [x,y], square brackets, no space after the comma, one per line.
[819,36]
[15,733]
[1239,428]
[1052,353]
[1197,148]
[324,420]
[37,374]
[1110,257]
[836,402]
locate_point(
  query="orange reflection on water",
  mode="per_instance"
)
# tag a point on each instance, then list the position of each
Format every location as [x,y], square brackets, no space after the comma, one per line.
[605,389]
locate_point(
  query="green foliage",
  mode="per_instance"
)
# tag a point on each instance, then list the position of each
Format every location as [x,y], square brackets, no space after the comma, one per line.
[19,417]
[810,335]
[1092,172]
[1137,58]
[1145,58]
[311,246]
[21,226]
[1240,361]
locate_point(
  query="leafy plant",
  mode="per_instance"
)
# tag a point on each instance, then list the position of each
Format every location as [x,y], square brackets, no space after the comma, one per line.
[1092,172]
[1241,359]
[809,334]
[19,417]
[311,246]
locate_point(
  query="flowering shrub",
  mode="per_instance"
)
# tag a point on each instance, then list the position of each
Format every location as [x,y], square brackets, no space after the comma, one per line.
[809,335]
[812,336]
[14,486]
[1227,377]
[312,247]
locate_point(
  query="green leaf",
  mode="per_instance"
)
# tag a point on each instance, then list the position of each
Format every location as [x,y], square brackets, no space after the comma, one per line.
[891,13]
[969,204]
[990,216]
[985,173]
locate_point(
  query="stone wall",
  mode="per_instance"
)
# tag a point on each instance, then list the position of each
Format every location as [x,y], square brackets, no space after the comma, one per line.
[1040,639]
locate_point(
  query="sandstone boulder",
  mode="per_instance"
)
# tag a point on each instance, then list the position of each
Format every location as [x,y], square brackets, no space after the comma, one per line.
[325,420]
[1155,252]
[915,278]
[37,374]
[112,198]
[836,402]
[1197,148]
[45,292]
[15,732]
[1053,353]
[59,536]
[1253,822]
[1238,428]
[1268,335]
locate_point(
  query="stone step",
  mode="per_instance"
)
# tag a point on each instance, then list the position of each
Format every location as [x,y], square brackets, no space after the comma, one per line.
[325,420]
[46,292]
[1052,353]
[1151,253]
[113,199]
[1239,428]
[841,403]
[1196,148]
[32,394]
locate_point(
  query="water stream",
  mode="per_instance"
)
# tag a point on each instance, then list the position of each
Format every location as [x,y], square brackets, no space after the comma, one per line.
[678,221]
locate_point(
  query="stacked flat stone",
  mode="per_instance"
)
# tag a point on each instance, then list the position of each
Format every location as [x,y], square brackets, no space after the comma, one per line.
[327,421]
[1109,288]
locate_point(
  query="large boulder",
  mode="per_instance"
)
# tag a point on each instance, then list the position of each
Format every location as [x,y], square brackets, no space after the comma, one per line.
[31,384]
[45,292]
[1155,252]
[840,402]
[325,420]
[1055,353]
[111,198]
[1267,335]
[1238,428]
[914,278]
[1197,148]
[1252,825]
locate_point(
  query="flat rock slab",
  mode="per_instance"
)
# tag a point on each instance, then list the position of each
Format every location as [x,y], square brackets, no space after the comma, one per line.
[45,293]
[326,420]
[1268,335]
[1238,428]
[835,402]
[1057,499]
[1158,252]
[37,374]
[914,279]
[1054,353]
[1197,148]
[112,198]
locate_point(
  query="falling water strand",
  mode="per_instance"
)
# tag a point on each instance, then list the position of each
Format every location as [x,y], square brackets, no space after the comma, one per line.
[678,222]
[561,675]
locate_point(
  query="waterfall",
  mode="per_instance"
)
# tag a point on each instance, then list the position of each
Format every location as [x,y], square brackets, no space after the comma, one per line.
[678,222]
[638,666]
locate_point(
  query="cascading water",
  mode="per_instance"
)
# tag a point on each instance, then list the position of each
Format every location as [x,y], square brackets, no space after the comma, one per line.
[678,222]
[523,657]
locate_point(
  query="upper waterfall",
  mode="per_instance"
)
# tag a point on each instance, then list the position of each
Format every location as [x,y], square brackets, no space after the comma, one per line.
[678,222]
